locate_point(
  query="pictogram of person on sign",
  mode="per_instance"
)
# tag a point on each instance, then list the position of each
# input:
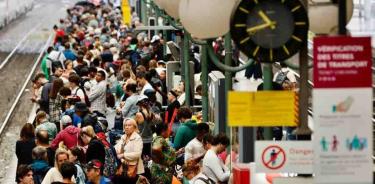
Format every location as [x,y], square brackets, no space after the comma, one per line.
[335,142]
[273,157]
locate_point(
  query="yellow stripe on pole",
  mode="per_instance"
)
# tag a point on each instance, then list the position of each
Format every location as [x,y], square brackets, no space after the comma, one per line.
[126,12]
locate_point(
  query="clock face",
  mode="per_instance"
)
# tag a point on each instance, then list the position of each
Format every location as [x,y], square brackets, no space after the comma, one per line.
[269,30]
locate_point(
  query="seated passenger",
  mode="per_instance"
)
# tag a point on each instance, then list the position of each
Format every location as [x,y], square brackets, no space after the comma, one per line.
[213,166]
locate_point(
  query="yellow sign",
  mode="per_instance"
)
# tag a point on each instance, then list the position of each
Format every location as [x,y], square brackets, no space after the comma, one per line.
[126,13]
[263,108]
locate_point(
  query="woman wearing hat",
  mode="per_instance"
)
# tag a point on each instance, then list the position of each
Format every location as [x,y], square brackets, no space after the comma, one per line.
[129,150]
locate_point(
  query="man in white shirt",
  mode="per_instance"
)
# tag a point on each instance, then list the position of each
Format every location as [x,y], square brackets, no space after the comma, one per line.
[54,175]
[195,149]
[143,83]
[97,95]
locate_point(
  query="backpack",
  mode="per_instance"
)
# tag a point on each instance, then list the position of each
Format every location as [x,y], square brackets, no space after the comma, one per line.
[87,101]
[133,56]
[82,83]
[92,120]
[110,160]
[80,179]
[207,181]
[55,63]
[281,77]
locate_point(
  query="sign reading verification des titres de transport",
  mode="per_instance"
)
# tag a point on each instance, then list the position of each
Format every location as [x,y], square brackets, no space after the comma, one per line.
[342,105]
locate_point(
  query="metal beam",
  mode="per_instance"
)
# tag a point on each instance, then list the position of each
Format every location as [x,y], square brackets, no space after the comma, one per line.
[186,67]
[146,28]
[144,16]
[267,85]
[204,77]
[303,131]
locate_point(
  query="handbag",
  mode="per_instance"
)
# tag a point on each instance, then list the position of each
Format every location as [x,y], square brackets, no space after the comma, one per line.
[131,170]
[126,170]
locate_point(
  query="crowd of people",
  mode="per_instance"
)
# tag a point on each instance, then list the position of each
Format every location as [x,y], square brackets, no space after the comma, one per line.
[97,63]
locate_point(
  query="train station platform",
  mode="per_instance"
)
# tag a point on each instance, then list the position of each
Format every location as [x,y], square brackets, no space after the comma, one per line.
[237,135]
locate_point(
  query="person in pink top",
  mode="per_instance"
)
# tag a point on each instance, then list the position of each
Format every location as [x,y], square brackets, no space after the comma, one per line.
[68,136]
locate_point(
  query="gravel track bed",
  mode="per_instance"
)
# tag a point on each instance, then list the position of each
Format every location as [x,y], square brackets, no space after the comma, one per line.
[12,78]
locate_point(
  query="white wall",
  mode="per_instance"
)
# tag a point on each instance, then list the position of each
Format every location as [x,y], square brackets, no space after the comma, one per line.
[12,9]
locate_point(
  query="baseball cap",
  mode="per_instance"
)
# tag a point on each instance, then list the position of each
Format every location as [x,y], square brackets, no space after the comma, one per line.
[94,164]
[162,62]
[80,106]
[141,98]
[65,120]
[155,38]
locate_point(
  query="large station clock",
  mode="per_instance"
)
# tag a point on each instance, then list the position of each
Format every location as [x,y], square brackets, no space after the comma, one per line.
[269,30]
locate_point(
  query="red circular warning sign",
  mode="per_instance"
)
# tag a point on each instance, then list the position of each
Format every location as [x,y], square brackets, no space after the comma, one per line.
[273,157]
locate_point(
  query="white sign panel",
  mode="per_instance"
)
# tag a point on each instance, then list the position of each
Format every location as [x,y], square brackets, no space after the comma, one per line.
[343,135]
[284,156]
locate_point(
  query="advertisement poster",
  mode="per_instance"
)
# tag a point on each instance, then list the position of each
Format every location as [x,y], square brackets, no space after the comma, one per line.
[342,106]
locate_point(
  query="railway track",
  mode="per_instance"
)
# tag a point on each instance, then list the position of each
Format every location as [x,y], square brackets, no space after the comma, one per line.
[16,71]
[15,105]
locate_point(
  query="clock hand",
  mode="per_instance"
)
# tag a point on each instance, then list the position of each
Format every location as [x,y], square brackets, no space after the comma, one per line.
[265,18]
[260,27]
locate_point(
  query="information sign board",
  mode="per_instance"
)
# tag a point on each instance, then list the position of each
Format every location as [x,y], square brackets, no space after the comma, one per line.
[263,108]
[342,105]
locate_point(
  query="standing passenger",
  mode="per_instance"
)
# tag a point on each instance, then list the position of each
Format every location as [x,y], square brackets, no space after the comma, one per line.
[163,156]
[54,174]
[95,148]
[24,175]
[129,150]
[40,165]
[44,124]
[97,95]
[25,144]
